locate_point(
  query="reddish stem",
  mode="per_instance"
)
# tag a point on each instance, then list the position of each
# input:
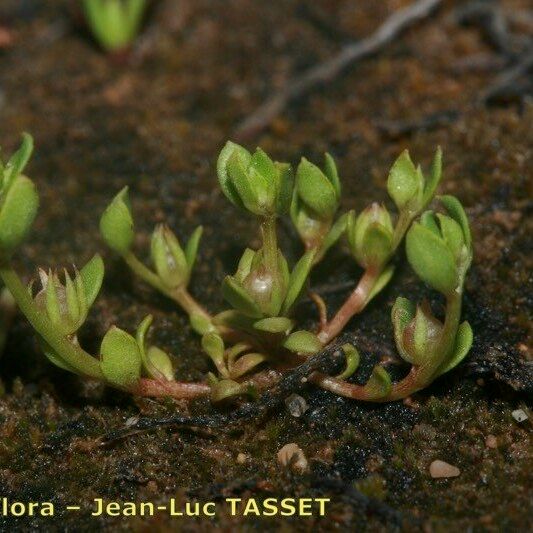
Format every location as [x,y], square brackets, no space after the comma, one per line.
[353,305]
[172,389]
[407,386]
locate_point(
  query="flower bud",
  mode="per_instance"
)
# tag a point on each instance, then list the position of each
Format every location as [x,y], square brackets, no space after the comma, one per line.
[116,223]
[169,258]
[315,200]
[370,236]
[407,185]
[254,182]
[417,336]
[67,304]
[255,290]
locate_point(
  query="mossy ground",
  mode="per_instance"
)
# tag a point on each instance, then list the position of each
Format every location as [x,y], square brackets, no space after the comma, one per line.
[156,125]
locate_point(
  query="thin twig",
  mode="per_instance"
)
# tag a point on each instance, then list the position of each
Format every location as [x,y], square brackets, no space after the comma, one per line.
[328,70]
[509,77]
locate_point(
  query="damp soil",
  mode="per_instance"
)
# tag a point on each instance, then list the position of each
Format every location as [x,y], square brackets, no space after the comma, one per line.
[155,122]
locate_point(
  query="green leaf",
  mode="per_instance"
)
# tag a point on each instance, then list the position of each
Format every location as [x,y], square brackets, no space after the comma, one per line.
[52,300]
[18,209]
[55,358]
[248,190]
[234,319]
[316,190]
[228,188]
[352,361]
[191,248]
[262,164]
[403,311]
[120,358]
[332,236]
[381,282]
[431,259]
[201,324]
[73,303]
[452,234]
[237,296]
[274,325]
[457,212]
[376,246]
[161,362]
[18,161]
[246,363]
[303,342]
[463,343]
[285,187]
[226,389]
[379,385]
[245,264]
[403,182]
[330,169]
[142,331]
[435,175]
[116,223]
[297,280]
[213,346]
[92,275]
[429,221]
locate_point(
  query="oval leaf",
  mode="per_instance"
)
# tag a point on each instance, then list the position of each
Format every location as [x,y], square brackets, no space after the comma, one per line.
[431,259]
[120,358]
[274,325]
[92,275]
[463,343]
[17,213]
[297,279]
[303,342]
[239,298]
[116,223]
[315,189]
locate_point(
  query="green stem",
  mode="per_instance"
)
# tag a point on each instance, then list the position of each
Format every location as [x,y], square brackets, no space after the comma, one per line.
[84,363]
[180,294]
[270,244]
[146,274]
[402,225]
[183,297]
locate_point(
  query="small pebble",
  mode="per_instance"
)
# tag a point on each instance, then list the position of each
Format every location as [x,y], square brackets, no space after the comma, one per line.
[440,469]
[292,455]
[241,458]
[296,405]
[519,415]
[491,442]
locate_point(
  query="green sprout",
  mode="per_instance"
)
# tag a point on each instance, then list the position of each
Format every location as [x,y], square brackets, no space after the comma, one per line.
[259,329]
[115,23]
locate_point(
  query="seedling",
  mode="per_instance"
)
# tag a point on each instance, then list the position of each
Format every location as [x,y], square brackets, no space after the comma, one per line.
[115,23]
[259,329]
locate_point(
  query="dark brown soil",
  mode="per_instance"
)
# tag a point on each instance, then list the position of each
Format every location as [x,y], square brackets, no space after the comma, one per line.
[156,123]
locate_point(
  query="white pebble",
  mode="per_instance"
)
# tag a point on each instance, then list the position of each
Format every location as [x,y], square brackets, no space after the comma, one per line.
[296,405]
[292,455]
[439,469]
[519,415]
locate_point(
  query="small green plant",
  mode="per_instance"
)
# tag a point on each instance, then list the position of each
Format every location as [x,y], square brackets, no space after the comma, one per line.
[259,328]
[115,23]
